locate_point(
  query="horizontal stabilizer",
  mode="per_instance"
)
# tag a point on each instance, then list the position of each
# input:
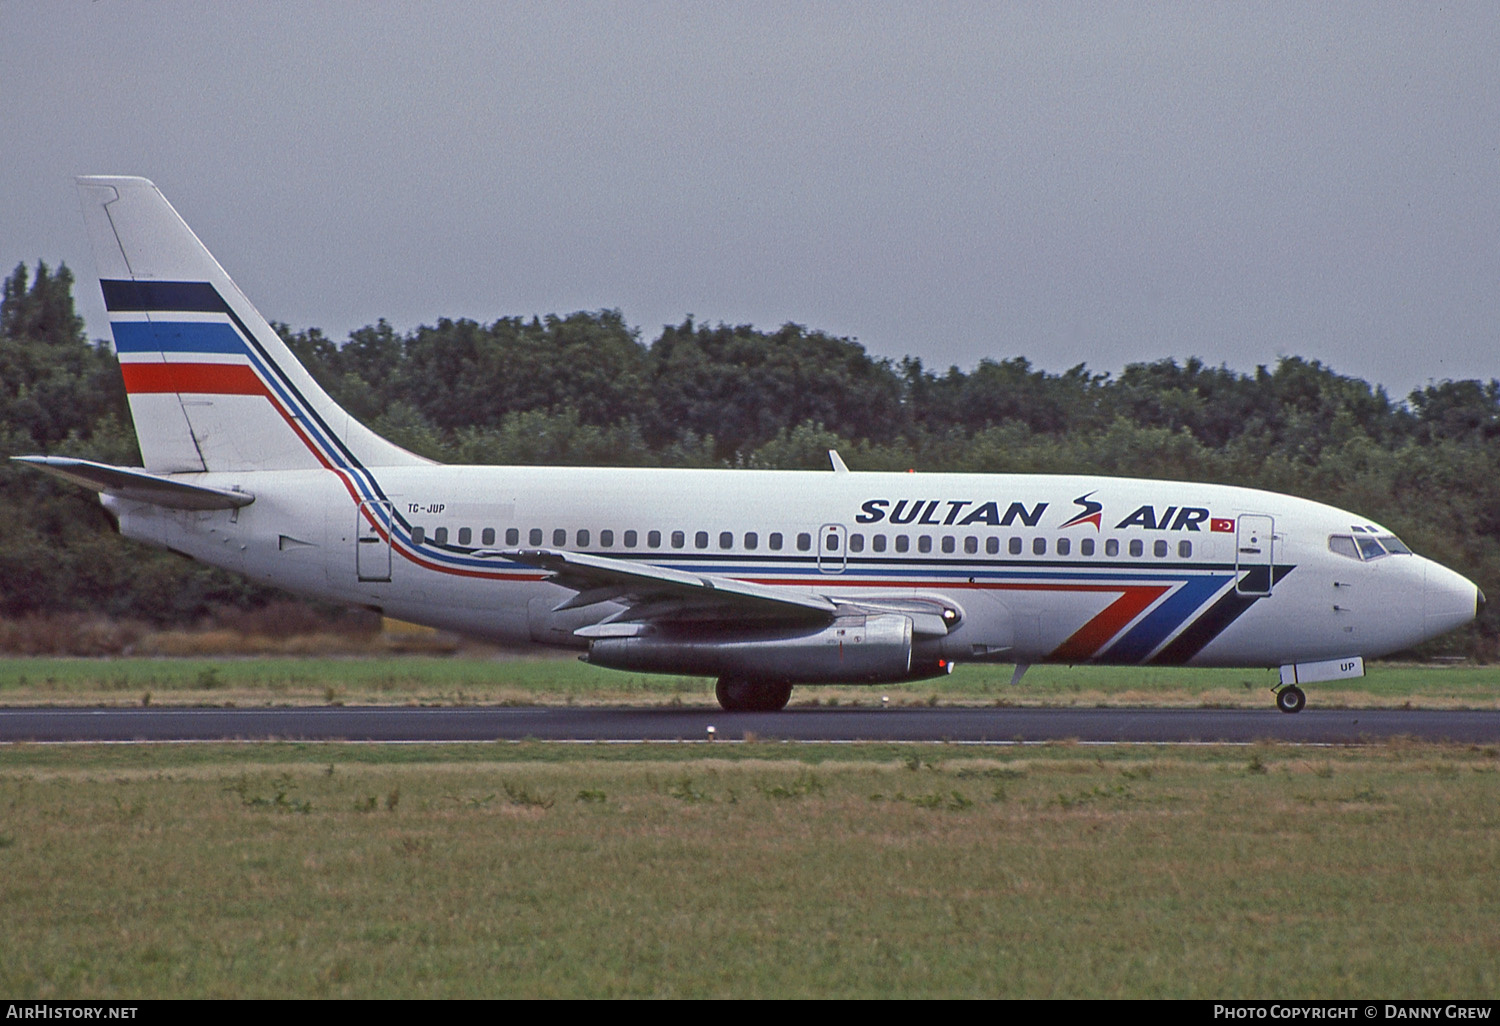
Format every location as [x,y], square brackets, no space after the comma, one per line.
[138,485]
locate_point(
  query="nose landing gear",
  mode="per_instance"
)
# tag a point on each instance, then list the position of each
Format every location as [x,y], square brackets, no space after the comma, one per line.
[1290,699]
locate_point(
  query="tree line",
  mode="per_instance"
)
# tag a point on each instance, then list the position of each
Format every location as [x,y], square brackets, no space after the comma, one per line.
[585,389]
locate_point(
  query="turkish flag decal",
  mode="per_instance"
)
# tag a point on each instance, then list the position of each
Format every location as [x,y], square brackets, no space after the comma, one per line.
[1222,524]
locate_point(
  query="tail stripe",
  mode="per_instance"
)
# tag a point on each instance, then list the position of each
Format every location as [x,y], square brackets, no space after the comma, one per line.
[177,337]
[123,296]
[201,378]
[201,297]
[202,337]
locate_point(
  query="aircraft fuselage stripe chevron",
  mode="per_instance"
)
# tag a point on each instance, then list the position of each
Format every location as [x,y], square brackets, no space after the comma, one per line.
[1163,617]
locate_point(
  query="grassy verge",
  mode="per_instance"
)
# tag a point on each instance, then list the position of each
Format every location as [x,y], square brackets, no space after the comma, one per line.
[463,680]
[748,870]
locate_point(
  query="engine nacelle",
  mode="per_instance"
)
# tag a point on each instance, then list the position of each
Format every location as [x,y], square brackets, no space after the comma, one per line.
[852,650]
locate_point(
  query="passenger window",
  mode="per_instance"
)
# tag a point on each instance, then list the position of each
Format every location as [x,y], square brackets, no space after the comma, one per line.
[804,542]
[440,536]
[1137,547]
[487,536]
[631,539]
[464,535]
[856,543]
[949,544]
[418,535]
[971,545]
[726,540]
[1064,546]
[1039,546]
[992,545]
[1086,547]
[752,540]
[831,543]
[1159,549]
[653,539]
[1014,545]
[535,536]
[1185,549]
[775,541]
[679,539]
[903,543]
[700,540]
[607,539]
[1112,547]
[878,543]
[559,537]
[924,543]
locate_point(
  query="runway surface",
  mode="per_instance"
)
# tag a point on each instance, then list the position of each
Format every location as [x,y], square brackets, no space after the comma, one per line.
[390,723]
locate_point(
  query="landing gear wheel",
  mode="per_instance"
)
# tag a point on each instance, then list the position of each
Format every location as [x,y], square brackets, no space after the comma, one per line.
[1290,699]
[751,695]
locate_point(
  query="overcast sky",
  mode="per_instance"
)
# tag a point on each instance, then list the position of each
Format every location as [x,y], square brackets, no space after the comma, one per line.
[1072,183]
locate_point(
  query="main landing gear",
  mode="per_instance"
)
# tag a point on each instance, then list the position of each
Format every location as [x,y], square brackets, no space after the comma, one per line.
[751,695]
[1290,699]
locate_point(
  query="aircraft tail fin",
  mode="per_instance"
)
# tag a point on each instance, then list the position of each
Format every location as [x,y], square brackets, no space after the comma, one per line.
[211,385]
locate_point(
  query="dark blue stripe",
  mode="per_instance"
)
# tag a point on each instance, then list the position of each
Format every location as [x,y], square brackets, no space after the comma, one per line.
[177,337]
[1210,625]
[1143,638]
[166,296]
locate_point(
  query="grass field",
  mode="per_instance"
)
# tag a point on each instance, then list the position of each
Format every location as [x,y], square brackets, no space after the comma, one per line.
[755,869]
[762,870]
[464,680]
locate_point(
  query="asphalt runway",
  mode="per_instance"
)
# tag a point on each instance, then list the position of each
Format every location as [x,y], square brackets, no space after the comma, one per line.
[406,724]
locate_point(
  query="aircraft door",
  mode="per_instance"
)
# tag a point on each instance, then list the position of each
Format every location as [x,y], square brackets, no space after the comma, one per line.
[833,542]
[1254,554]
[372,541]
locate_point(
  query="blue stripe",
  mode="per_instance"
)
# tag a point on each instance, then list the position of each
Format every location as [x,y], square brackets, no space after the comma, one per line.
[177,337]
[934,570]
[1144,637]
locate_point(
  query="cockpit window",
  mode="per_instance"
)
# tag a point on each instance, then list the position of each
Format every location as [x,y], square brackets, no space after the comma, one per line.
[1343,544]
[1366,547]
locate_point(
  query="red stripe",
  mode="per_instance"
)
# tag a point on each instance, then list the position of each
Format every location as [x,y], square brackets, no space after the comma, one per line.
[1085,642]
[1089,638]
[205,378]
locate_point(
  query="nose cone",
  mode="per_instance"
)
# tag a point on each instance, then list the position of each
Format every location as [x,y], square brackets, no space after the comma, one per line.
[1449,599]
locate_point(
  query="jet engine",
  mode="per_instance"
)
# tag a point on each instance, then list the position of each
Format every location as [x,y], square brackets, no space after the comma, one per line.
[851,650]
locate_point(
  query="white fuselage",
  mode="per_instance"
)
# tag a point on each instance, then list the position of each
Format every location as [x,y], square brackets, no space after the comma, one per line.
[1162,572]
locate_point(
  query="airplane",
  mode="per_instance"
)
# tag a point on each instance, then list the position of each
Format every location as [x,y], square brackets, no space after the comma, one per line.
[762,579]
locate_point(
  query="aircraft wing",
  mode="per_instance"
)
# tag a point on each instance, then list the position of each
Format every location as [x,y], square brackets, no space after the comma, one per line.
[657,592]
[137,484]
